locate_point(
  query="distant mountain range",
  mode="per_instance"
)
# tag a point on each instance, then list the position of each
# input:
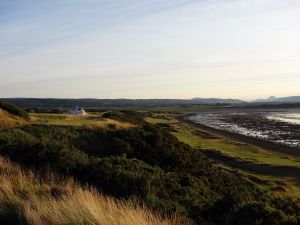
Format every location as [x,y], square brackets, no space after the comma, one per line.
[272,99]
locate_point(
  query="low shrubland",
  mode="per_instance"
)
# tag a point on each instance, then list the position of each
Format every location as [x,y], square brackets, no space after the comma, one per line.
[147,164]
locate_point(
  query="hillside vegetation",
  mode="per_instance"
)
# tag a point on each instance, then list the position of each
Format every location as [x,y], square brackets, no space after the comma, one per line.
[8,120]
[147,164]
[14,110]
[24,199]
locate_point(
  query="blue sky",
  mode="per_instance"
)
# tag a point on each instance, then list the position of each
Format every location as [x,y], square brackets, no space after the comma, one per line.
[149,49]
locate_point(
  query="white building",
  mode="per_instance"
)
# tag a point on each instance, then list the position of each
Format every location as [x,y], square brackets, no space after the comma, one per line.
[77,111]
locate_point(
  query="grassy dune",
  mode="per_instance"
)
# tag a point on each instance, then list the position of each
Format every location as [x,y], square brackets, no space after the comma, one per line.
[24,199]
[8,120]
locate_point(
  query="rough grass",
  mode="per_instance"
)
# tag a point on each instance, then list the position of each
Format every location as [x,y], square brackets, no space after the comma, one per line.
[91,120]
[156,120]
[24,199]
[8,120]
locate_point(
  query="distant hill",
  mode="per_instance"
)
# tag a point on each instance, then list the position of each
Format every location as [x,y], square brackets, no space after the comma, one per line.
[52,102]
[272,99]
[216,101]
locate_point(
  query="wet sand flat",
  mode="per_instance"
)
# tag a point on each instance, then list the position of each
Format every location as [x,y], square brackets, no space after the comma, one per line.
[259,127]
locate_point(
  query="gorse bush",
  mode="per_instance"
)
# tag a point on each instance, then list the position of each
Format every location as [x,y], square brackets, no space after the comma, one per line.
[126,116]
[14,110]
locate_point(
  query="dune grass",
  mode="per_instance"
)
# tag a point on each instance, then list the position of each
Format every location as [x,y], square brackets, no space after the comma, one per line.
[8,120]
[24,199]
[91,120]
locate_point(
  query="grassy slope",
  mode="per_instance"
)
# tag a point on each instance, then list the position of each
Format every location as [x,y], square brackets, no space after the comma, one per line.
[8,120]
[198,138]
[25,199]
[14,110]
[145,162]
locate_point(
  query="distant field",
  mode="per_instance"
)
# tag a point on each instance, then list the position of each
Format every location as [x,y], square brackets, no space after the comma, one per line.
[73,120]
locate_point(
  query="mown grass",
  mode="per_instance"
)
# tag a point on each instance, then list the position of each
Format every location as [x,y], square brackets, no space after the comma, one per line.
[24,199]
[236,149]
[92,120]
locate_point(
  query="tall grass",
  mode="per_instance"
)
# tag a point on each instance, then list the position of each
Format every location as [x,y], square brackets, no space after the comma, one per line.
[7,119]
[25,199]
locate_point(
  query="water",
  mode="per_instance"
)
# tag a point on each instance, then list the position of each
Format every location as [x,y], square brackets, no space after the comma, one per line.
[277,126]
[293,118]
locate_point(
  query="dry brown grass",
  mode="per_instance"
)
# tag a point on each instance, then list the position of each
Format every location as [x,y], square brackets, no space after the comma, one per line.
[107,123]
[54,202]
[8,120]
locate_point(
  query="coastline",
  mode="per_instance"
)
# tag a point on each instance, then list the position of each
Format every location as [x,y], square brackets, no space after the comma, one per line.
[266,145]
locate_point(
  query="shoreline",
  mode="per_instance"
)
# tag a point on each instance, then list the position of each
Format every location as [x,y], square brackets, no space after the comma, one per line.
[266,145]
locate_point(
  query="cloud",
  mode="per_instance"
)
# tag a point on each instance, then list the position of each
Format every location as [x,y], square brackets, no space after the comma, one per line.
[237,3]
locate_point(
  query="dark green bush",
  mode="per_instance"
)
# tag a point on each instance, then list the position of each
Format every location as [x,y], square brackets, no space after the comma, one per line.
[126,116]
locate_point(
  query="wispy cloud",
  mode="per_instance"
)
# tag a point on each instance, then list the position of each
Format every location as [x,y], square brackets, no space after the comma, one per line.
[237,3]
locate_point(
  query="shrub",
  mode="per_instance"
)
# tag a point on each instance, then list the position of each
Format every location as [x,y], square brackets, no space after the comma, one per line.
[14,110]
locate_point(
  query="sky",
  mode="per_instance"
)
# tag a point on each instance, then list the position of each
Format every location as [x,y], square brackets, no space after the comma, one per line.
[244,49]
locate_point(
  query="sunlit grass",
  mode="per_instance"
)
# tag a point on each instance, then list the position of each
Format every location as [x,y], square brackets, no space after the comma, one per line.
[235,149]
[8,120]
[25,198]
[91,120]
